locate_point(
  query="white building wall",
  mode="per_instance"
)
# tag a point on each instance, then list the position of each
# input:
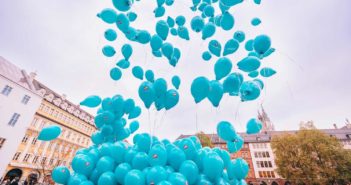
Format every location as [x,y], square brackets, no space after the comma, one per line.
[8,106]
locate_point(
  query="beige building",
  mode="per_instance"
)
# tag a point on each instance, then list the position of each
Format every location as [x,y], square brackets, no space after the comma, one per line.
[35,159]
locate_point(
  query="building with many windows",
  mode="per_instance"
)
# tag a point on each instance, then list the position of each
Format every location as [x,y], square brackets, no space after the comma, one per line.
[32,160]
[19,101]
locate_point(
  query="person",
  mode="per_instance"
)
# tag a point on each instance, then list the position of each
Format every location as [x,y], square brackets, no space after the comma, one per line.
[15,181]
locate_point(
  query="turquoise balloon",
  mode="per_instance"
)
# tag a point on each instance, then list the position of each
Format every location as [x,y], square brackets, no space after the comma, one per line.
[107,178]
[143,37]
[60,174]
[170,21]
[162,29]
[197,24]
[169,2]
[209,11]
[249,91]
[257,2]
[223,7]
[160,87]
[135,177]
[206,56]
[160,102]
[138,72]
[177,179]
[249,64]
[227,21]
[129,105]
[156,174]
[127,51]
[222,67]
[190,171]
[140,161]
[149,75]
[147,93]
[122,22]
[131,34]
[164,183]
[108,51]
[188,146]
[134,126]
[267,72]
[183,32]
[97,138]
[253,74]
[176,81]
[235,145]
[91,101]
[230,2]
[232,83]
[110,35]
[122,5]
[208,30]
[200,88]
[172,98]
[144,142]
[253,54]
[135,113]
[158,155]
[159,11]
[167,50]
[132,16]
[269,52]
[249,45]
[215,47]
[226,131]
[76,178]
[130,155]
[87,183]
[156,42]
[115,73]
[259,83]
[216,93]
[121,171]
[106,130]
[217,20]
[230,47]
[239,36]
[123,64]
[105,164]
[49,133]
[176,53]
[175,157]
[160,2]
[108,15]
[213,166]
[255,21]
[83,164]
[174,31]
[261,44]
[157,53]
[180,20]
[202,6]
[253,126]
[238,169]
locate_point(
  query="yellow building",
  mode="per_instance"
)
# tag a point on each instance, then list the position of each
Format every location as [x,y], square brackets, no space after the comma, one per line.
[35,159]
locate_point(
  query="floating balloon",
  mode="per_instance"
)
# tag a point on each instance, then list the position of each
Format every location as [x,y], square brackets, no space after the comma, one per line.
[232,83]
[249,45]
[215,47]
[135,177]
[138,72]
[208,30]
[269,52]
[158,155]
[170,21]
[122,5]
[238,169]
[83,164]
[206,56]
[235,145]
[259,83]
[134,126]
[256,21]
[123,63]
[149,75]
[257,2]
[213,166]
[197,23]
[249,64]
[190,171]
[108,51]
[261,44]
[177,179]
[108,15]
[267,72]
[160,87]
[231,46]
[122,22]
[200,88]
[131,34]
[226,131]
[115,74]
[132,16]
[216,93]
[147,93]
[167,50]
[143,37]
[169,2]
[172,98]
[174,32]
[60,174]
[110,35]
[180,20]
[239,36]
[253,74]
[222,67]
[156,42]
[230,2]
[183,32]
[91,101]
[227,21]
[209,11]
[135,113]
[249,90]
[159,11]
[162,29]
[121,171]
[127,51]
[176,81]
[253,126]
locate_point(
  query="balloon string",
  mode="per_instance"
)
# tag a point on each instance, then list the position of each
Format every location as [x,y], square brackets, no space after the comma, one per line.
[196,124]
[148,110]
[290,59]
[155,121]
[162,119]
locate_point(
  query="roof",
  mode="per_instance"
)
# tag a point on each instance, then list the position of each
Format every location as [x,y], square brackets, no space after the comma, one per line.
[15,74]
[341,134]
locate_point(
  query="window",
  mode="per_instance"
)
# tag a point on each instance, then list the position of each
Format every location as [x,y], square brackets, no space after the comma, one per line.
[51,162]
[35,159]
[25,99]
[266,164]
[34,122]
[25,138]
[270,164]
[41,106]
[256,155]
[43,160]
[267,154]
[272,174]
[16,156]
[260,174]
[258,164]
[6,90]
[26,157]
[264,154]
[14,119]
[2,141]
[50,145]
[34,141]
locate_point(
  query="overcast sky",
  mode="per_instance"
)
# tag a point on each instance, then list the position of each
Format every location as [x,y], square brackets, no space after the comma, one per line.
[62,39]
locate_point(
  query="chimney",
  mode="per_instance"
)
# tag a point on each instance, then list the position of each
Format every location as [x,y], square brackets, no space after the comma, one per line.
[335,127]
[32,75]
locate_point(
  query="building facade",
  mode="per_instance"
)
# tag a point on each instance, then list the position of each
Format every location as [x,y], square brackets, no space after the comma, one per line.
[19,101]
[32,160]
